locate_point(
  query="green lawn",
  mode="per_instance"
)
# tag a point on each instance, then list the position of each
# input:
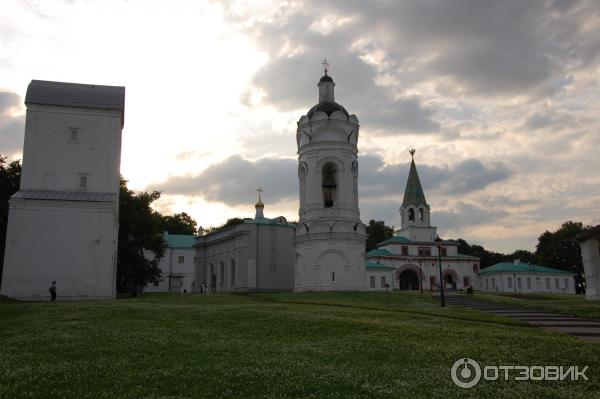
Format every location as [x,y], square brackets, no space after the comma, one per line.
[575,305]
[273,345]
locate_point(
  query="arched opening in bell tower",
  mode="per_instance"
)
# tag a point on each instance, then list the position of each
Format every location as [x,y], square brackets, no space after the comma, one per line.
[329,184]
[411,214]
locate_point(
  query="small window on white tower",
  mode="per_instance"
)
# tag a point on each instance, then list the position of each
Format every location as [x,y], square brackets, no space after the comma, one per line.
[73,135]
[411,214]
[82,182]
[329,184]
[333,277]
[421,215]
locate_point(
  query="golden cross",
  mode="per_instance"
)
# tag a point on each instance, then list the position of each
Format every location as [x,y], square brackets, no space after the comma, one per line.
[260,190]
[412,152]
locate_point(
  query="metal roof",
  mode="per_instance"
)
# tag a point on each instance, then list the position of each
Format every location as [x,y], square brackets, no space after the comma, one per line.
[373,265]
[413,194]
[179,240]
[75,95]
[65,195]
[520,268]
[379,252]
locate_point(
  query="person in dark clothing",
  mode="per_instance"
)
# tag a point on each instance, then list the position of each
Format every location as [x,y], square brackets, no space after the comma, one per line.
[52,291]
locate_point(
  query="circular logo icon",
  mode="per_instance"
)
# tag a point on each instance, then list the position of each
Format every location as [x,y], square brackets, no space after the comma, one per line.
[465,373]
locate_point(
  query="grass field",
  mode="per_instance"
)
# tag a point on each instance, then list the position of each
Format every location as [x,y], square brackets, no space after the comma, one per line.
[273,345]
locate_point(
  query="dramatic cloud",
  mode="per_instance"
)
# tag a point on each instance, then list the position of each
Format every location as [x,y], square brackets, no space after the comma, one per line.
[466,215]
[235,180]
[11,127]
[377,179]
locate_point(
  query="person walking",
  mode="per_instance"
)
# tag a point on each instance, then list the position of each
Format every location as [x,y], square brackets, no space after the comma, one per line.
[52,291]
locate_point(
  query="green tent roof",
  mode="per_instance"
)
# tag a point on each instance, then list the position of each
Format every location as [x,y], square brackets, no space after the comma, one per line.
[512,267]
[179,240]
[379,252]
[373,265]
[413,195]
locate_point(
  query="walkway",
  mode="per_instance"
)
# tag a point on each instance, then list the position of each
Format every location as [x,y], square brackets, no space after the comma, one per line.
[585,329]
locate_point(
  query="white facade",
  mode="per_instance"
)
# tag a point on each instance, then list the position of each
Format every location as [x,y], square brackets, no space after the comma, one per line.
[525,278]
[330,238]
[63,223]
[178,272]
[257,255]
[379,277]
[590,256]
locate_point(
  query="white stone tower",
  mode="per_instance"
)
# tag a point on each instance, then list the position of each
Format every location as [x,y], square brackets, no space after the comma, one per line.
[330,238]
[63,223]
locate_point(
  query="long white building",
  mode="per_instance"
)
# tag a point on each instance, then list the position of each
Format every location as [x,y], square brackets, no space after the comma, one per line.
[63,223]
[519,277]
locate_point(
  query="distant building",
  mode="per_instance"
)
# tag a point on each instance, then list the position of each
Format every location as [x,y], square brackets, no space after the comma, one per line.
[63,223]
[410,257]
[518,277]
[256,255]
[177,265]
[589,242]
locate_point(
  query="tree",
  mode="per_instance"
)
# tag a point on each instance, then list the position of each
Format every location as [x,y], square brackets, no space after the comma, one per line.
[377,231]
[10,177]
[179,223]
[230,222]
[139,230]
[558,249]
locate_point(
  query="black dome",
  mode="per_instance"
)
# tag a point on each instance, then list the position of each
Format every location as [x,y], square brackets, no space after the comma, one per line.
[329,107]
[326,78]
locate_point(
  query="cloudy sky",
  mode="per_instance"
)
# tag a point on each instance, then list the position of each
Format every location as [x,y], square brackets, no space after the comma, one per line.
[500,99]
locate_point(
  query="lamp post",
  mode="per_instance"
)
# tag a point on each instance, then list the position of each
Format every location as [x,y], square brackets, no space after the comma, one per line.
[438,241]
[420,276]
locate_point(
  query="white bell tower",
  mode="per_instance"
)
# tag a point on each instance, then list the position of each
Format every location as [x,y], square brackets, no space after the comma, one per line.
[330,238]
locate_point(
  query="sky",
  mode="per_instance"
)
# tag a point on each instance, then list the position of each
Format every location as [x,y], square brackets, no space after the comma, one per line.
[499,98]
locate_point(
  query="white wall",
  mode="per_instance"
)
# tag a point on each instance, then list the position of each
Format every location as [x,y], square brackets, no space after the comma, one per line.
[169,265]
[48,149]
[509,283]
[377,275]
[72,243]
[590,255]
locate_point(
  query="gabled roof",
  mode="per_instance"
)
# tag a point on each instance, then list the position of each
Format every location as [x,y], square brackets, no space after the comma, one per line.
[413,194]
[379,252]
[513,267]
[180,240]
[76,95]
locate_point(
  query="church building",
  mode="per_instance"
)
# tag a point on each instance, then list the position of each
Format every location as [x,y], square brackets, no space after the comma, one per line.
[330,239]
[410,259]
[256,255]
[63,223]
